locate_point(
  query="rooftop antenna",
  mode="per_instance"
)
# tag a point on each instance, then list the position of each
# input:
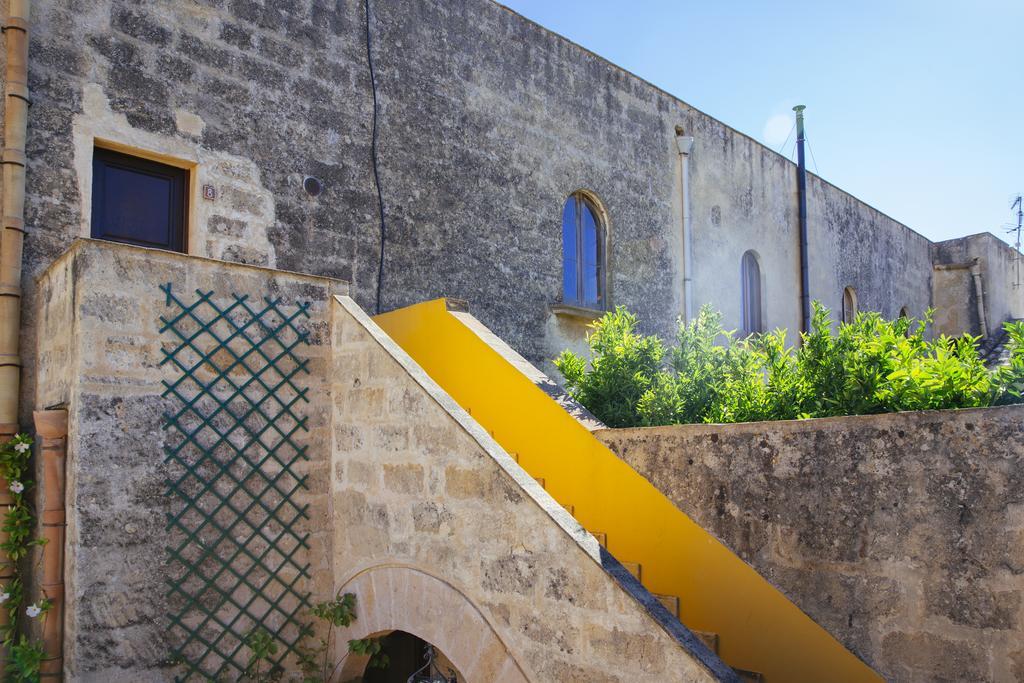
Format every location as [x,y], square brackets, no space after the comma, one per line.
[1018,203]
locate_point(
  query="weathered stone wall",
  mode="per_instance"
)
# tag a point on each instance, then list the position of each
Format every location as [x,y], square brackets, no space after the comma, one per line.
[901,534]
[250,97]
[997,261]
[886,263]
[486,122]
[441,534]
[411,505]
[100,339]
[955,298]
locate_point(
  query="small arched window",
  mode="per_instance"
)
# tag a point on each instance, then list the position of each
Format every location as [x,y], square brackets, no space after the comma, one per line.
[583,253]
[904,313]
[849,305]
[750,283]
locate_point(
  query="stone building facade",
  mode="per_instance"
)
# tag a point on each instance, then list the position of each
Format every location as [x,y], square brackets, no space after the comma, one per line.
[485,123]
[422,148]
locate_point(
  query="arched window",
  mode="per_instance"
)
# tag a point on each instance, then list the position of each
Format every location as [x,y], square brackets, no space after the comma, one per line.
[750,283]
[905,316]
[583,253]
[849,305]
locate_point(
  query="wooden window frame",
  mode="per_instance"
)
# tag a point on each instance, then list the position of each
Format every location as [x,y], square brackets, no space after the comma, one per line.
[583,199]
[179,177]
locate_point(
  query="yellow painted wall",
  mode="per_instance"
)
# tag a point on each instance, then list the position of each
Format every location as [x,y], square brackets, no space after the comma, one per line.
[759,629]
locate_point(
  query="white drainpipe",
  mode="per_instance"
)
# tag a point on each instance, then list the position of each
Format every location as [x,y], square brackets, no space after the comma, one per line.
[979,291]
[685,143]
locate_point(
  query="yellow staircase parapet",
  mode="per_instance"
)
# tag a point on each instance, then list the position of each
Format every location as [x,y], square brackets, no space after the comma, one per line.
[760,629]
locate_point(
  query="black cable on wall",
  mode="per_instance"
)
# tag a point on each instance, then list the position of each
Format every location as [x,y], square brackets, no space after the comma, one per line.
[373,154]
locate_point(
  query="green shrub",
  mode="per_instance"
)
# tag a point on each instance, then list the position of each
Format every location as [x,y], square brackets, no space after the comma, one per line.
[623,366]
[869,366]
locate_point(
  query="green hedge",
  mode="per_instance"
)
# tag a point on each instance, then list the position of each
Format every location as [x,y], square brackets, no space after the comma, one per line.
[872,365]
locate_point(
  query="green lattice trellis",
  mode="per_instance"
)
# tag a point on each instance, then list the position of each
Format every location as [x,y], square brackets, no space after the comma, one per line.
[237,558]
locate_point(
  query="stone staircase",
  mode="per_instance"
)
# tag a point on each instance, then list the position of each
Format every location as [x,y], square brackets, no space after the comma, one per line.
[686,579]
[669,602]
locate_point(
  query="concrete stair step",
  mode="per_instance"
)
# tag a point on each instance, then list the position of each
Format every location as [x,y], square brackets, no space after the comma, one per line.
[571,509]
[602,538]
[671,603]
[710,639]
[540,480]
[749,676]
[633,568]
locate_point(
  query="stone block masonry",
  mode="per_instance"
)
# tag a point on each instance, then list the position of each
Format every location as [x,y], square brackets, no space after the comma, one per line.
[901,534]
[487,123]
[412,506]
[101,346]
[440,533]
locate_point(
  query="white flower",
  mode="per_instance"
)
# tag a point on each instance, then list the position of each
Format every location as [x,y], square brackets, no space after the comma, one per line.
[17,486]
[4,597]
[21,447]
[33,610]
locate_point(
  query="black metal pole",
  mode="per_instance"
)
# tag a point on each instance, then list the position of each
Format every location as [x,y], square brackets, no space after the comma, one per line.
[801,185]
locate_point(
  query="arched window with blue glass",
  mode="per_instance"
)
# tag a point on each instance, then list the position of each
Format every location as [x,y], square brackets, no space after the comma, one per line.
[752,304]
[583,252]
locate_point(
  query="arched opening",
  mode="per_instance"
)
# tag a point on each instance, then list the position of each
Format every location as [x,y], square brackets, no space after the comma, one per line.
[752,312]
[584,252]
[849,305]
[411,659]
[904,313]
[393,598]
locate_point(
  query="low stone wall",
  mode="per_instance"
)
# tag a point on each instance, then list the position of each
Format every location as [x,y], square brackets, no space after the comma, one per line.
[901,534]
[101,346]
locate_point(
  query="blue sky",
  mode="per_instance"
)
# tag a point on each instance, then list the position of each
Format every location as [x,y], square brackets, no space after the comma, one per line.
[915,107]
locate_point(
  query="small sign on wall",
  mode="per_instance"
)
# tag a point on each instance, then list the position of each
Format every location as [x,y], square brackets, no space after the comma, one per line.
[209,192]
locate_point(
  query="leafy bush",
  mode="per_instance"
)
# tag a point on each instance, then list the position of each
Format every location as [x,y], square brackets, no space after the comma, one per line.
[623,366]
[872,365]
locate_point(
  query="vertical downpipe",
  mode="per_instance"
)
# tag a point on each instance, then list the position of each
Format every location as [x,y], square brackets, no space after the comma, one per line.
[801,188]
[684,143]
[13,160]
[979,296]
[52,429]
[12,203]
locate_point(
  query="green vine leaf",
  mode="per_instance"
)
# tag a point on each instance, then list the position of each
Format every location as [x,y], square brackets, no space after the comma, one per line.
[19,522]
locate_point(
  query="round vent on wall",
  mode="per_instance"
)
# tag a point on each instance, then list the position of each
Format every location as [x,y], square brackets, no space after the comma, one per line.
[312,186]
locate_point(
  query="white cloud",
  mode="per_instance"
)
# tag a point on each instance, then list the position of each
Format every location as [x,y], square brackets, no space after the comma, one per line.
[776,129]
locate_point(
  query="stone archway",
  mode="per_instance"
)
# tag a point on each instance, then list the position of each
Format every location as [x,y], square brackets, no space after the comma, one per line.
[401,667]
[401,598]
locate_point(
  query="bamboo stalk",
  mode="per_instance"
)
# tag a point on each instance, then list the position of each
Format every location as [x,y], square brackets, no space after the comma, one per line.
[12,230]
[13,199]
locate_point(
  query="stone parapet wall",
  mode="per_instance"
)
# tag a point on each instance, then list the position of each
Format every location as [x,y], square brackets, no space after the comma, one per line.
[100,348]
[901,534]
